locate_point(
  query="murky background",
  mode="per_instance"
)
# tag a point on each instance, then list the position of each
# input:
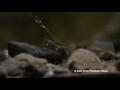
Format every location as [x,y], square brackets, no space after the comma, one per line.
[68,27]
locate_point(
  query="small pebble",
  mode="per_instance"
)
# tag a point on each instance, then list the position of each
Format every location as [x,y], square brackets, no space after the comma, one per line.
[117,56]
[4,55]
[60,70]
[107,55]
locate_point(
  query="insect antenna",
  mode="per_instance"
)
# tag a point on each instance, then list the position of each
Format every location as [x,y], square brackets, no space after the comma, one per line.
[37,20]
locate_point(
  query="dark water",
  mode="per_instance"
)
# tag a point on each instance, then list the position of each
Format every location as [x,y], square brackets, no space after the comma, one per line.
[68,27]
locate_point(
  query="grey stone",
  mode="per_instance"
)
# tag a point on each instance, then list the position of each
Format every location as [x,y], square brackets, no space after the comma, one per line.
[15,48]
[25,66]
[105,46]
[30,59]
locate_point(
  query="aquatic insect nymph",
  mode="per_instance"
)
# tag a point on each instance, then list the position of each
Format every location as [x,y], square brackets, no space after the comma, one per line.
[54,41]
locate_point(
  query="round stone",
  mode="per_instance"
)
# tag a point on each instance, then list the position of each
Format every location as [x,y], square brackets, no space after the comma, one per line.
[84,56]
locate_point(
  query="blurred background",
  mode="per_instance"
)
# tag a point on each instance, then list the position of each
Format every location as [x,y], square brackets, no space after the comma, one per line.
[68,27]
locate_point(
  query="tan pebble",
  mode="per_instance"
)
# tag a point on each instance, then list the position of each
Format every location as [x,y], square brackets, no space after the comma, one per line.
[84,56]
